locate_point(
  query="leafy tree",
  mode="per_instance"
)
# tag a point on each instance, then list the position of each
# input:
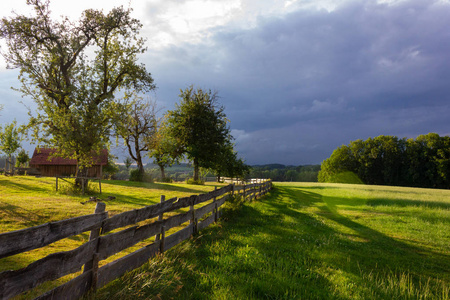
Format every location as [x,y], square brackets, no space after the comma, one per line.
[228,165]
[10,139]
[165,151]
[22,158]
[138,130]
[73,70]
[127,161]
[199,126]
[111,168]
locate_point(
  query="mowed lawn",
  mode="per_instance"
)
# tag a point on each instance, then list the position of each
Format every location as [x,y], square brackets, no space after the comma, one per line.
[301,241]
[310,241]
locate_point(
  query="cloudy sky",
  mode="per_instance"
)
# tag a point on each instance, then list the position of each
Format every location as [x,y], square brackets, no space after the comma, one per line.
[297,78]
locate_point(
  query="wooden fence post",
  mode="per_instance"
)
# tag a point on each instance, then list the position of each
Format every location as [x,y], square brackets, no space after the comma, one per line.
[163,238]
[193,219]
[215,207]
[243,193]
[160,217]
[95,233]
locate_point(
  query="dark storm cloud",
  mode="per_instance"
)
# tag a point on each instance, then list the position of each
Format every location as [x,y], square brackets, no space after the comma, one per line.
[298,86]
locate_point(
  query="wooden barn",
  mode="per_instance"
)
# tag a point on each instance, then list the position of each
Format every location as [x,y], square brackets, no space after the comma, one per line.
[58,166]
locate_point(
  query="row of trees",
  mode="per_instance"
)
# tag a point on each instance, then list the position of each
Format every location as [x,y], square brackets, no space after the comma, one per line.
[389,160]
[87,84]
[278,172]
[196,130]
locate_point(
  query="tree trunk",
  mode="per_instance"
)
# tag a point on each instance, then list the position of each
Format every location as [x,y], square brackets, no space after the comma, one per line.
[196,169]
[139,163]
[81,180]
[163,174]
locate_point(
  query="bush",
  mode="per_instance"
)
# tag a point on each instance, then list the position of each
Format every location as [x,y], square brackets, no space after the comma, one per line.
[166,180]
[196,182]
[135,175]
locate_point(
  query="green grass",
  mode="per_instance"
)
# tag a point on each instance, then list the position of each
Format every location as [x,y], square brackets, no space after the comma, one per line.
[310,241]
[302,241]
[27,201]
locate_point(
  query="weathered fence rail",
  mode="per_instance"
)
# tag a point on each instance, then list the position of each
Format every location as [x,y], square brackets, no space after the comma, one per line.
[101,246]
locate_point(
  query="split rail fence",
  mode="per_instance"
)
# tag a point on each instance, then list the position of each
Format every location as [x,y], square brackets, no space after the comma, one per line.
[102,245]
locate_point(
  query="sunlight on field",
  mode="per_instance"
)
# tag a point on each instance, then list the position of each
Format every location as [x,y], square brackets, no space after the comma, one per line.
[303,240]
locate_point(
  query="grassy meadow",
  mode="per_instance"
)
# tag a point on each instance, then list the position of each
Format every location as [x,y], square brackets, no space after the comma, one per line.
[310,241]
[301,241]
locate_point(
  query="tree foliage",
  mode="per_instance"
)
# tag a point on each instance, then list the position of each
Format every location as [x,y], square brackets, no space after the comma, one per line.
[10,139]
[166,150]
[22,158]
[388,160]
[73,71]
[199,125]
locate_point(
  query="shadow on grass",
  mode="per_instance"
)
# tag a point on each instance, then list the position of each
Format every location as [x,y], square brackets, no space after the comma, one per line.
[155,185]
[273,249]
[406,203]
[374,251]
[9,184]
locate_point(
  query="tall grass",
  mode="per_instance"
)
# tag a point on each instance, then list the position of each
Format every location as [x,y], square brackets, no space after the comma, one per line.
[310,241]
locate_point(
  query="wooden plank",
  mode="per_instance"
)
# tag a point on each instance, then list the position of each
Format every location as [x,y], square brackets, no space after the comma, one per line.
[206,222]
[216,193]
[115,242]
[177,220]
[222,200]
[51,267]
[71,290]
[38,236]
[178,237]
[137,215]
[200,212]
[184,202]
[250,186]
[127,263]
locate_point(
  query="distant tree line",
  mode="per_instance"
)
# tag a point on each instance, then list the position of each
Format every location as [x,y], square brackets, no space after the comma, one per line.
[279,172]
[389,160]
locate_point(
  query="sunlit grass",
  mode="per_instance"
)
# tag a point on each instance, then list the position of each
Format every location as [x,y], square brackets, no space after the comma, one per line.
[310,241]
[302,241]
[29,201]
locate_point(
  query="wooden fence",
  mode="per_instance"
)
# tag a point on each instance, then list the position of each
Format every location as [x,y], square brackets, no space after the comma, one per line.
[102,245]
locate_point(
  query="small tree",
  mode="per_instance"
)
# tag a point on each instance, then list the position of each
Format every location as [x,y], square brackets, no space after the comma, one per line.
[199,126]
[228,164]
[127,162]
[22,158]
[138,129]
[166,151]
[10,139]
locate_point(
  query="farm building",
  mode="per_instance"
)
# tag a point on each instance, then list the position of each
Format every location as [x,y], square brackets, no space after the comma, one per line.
[47,165]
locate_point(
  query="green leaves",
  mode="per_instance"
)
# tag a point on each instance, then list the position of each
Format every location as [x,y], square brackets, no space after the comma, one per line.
[423,162]
[10,139]
[199,126]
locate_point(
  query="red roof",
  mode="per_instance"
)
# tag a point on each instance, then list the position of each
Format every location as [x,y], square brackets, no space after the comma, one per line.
[41,157]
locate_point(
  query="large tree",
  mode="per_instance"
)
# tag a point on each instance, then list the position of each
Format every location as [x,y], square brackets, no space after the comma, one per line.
[199,126]
[73,71]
